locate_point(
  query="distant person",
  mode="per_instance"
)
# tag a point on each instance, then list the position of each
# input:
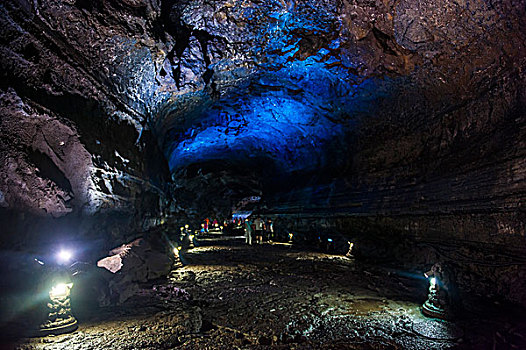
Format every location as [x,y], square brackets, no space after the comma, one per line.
[269,230]
[248,232]
[207,224]
[184,237]
[258,225]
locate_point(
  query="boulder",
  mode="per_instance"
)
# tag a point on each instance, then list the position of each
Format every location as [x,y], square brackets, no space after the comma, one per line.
[136,262]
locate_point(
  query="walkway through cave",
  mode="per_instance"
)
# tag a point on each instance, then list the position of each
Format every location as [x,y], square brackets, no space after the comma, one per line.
[230,295]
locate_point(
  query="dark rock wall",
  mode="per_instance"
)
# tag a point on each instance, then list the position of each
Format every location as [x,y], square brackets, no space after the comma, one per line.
[442,164]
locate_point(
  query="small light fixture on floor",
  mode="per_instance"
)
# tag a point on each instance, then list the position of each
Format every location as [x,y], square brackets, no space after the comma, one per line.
[434,306]
[349,253]
[177,250]
[60,318]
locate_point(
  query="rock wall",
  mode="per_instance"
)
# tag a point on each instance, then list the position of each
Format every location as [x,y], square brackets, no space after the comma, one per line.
[438,173]
[77,158]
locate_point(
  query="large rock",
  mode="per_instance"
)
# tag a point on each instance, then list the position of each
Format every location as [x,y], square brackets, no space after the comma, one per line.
[133,263]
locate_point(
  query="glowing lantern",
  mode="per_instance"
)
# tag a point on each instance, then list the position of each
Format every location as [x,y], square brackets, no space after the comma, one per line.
[60,319]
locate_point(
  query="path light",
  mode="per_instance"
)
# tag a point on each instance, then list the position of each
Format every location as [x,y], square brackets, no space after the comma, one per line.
[176,250]
[60,318]
[351,245]
[434,305]
[64,256]
[290,236]
[60,291]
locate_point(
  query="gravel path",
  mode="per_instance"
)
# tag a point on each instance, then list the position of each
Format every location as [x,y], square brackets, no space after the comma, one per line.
[274,296]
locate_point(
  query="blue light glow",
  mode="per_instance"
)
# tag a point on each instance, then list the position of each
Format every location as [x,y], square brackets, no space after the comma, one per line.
[291,117]
[296,106]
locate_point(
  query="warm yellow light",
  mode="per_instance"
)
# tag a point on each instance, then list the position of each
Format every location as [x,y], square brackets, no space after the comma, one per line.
[61,290]
[191,237]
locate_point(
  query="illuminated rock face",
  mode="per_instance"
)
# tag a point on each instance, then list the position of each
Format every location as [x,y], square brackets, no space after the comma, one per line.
[278,90]
[408,115]
[76,160]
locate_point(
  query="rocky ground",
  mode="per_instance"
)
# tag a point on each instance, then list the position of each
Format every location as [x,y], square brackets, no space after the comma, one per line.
[231,296]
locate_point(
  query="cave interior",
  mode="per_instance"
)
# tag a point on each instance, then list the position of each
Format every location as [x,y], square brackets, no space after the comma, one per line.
[382,144]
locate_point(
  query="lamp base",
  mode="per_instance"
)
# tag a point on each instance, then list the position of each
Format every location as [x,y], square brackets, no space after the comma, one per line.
[431,310]
[58,327]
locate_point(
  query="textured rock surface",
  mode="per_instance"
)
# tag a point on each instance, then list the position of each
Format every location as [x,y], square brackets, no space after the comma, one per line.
[410,113]
[140,262]
[73,141]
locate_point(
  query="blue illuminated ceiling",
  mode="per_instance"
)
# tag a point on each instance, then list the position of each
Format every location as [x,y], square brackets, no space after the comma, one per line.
[290,117]
[290,98]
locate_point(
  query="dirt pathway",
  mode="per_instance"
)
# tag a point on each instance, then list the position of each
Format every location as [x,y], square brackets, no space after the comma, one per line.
[274,296]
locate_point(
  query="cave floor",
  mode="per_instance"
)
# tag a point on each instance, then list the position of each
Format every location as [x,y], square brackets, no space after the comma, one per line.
[229,295]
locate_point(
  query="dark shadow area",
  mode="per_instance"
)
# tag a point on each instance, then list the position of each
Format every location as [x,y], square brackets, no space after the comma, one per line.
[47,169]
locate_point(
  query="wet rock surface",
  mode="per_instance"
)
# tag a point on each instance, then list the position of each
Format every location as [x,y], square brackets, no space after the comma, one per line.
[275,296]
